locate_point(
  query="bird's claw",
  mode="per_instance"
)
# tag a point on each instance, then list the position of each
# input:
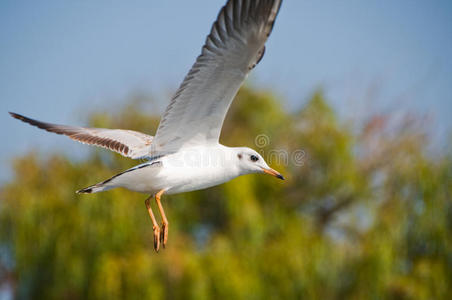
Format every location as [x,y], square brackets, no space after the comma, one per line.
[164,234]
[157,235]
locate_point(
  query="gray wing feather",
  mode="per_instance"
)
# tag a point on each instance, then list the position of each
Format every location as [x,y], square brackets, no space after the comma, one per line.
[234,46]
[128,143]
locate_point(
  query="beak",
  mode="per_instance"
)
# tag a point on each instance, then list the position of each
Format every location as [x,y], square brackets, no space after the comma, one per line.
[273,173]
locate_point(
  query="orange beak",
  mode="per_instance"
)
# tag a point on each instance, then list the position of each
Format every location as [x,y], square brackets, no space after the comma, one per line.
[273,173]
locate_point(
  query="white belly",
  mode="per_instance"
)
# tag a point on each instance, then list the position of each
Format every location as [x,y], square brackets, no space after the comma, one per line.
[186,172]
[190,170]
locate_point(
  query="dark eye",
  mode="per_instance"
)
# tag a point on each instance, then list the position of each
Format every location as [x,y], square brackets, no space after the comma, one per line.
[254,158]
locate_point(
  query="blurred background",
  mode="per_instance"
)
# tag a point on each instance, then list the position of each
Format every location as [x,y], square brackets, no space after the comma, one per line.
[351,103]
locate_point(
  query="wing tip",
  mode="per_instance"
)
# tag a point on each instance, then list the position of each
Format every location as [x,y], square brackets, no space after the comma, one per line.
[15,115]
[24,118]
[88,190]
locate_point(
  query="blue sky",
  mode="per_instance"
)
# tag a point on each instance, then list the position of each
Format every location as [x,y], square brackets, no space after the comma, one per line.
[59,57]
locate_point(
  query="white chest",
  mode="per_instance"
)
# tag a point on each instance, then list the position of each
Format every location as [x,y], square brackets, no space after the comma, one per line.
[196,169]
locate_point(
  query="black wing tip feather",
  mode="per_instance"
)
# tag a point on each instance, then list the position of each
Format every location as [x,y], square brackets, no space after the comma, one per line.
[42,125]
[72,133]
[242,8]
[27,120]
[271,5]
[17,116]
[87,190]
[234,13]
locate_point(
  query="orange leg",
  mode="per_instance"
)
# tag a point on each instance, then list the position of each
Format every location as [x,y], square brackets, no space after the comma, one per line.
[164,232]
[155,226]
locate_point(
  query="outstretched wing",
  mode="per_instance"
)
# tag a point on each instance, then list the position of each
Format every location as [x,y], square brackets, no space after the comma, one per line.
[234,46]
[128,143]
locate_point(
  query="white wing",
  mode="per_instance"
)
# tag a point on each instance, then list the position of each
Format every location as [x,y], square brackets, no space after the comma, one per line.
[128,143]
[234,46]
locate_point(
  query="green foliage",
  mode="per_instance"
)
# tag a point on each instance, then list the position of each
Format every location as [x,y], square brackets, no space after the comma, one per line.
[366,214]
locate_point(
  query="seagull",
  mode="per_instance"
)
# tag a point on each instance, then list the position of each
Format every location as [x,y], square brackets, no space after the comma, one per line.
[185,153]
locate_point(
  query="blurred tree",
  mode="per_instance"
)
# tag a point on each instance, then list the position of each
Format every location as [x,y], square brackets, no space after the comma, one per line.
[364,214]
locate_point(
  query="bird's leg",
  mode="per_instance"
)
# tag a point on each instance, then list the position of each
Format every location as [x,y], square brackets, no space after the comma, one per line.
[164,233]
[155,225]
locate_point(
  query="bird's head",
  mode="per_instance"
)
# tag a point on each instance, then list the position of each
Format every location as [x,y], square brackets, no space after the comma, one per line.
[249,161]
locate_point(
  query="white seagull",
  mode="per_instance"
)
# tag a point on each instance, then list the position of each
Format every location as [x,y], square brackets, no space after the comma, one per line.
[185,153]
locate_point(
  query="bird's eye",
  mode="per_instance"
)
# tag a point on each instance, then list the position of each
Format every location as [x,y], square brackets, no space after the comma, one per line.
[254,158]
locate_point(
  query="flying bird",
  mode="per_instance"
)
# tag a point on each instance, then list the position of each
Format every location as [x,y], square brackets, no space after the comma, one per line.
[185,153]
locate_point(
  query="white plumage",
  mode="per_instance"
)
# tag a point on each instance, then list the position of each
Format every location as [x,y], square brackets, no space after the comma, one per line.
[185,154]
